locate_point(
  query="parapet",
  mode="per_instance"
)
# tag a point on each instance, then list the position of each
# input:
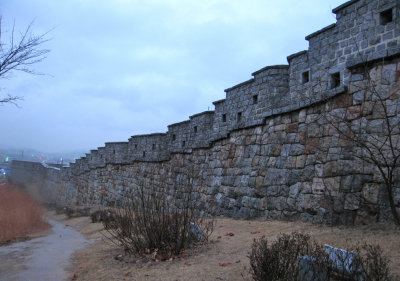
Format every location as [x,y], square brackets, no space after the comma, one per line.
[247,103]
[151,147]
[116,152]
[365,31]
[93,159]
[101,161]
[201,128]
[179,137]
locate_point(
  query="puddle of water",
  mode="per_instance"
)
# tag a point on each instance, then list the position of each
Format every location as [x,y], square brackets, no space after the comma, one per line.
[43,258]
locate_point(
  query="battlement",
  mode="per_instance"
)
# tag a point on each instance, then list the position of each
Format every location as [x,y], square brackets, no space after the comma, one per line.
[179,134]
[365,31]
[264,151]
[116,152]
[151,147]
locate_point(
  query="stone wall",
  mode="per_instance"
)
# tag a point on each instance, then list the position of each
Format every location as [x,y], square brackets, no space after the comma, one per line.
[24,172]
[266,150]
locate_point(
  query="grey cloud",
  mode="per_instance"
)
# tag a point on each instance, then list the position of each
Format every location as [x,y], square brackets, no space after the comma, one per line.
[127,67]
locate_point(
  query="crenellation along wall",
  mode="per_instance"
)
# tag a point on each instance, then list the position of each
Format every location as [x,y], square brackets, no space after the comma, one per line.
[101,159]
[357,37]
[247,104]
[201,129]
[153,147]
[293,166]
[117,152]
[93,159]
[179,137]
[276,159]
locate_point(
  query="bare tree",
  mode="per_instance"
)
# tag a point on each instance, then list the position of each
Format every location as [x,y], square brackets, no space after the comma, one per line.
[19,53]
[370,130]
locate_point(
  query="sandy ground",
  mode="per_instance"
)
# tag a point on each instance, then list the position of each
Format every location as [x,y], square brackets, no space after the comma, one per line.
[97,261]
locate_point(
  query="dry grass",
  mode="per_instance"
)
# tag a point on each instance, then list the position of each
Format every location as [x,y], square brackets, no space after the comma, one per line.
[226,257]
[20,215]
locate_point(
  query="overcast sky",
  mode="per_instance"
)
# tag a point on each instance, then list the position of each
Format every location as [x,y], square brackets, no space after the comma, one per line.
[123,67]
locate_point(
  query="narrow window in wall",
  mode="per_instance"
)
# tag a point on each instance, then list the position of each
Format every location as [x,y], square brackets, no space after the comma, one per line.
[335,80]
[101,156]
[135,145]
[305,77]
[223,117]
[173,137]
[239,116]
[114,151]
[153,146]
[183,143]
[195,129]
[255,99]
[144,153]
[386,16]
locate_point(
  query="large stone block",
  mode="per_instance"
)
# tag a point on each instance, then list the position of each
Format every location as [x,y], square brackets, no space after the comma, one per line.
[370,193]
[295,190]
[352,201]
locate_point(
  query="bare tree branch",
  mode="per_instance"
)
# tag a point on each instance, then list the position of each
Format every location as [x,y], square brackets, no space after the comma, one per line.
[20,54]
[10,99]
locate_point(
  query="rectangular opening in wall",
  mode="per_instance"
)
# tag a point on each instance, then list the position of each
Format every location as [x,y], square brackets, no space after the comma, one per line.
[255,99]
[144,153]
[153,146]
[135,145]
[183,143]
[223,117]
[114,151]
[305,77]
[239,116]
[195,129]
[386,16]
[335,80]
[173,137]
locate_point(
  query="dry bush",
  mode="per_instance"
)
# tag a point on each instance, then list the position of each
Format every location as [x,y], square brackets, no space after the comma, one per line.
[19,214]
[158,218]
[374,263]
[369,264]
[281,261]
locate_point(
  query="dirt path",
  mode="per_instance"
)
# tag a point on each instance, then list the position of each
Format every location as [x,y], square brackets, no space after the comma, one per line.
[43,258]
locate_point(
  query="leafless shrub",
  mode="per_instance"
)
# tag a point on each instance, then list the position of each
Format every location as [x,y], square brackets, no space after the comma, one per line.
[368,264]
[374,263]
[280,260]
[296,257]
[157,217]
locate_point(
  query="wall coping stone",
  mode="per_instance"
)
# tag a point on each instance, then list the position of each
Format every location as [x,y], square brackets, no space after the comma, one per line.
[219,101]
[240,84]
[344,5]
[278,66]
[308,37]
[202,113]
[179,123]
[289,58]
[148,135]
